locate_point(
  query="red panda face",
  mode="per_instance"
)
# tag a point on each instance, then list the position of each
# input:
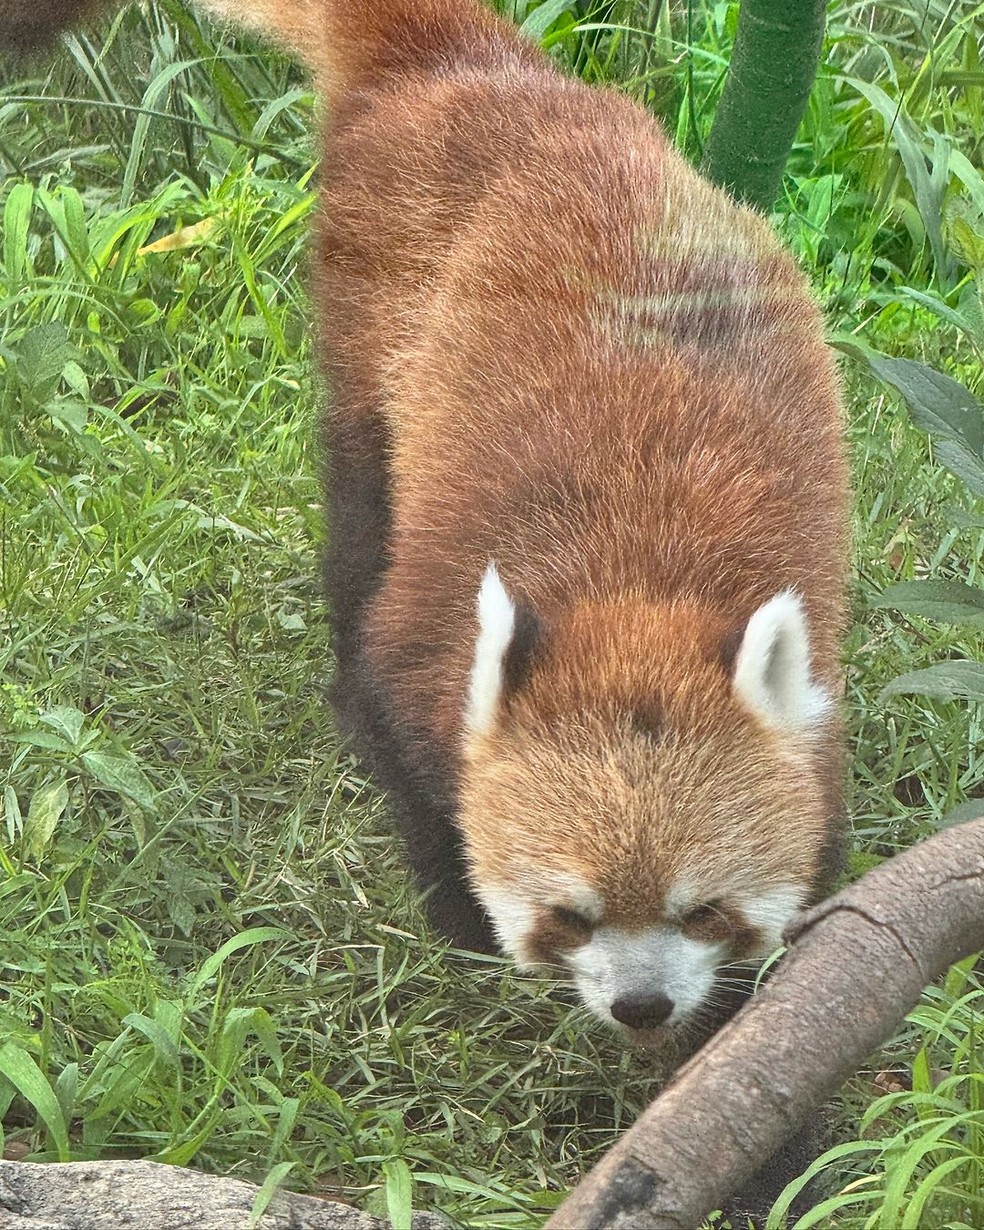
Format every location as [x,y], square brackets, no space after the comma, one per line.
[647,977]
[638,812]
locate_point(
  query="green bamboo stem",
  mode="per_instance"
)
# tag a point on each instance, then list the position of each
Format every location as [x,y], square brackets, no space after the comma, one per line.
[773,66]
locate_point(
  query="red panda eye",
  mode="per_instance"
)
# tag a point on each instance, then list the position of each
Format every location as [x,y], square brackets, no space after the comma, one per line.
[572,919]
[700,914]
[709,921]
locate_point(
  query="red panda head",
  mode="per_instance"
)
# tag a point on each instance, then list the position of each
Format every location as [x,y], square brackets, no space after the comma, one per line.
[641,801]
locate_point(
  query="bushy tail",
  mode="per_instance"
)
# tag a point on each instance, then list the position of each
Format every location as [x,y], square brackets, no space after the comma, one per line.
[339,40]
[301,27]
[346,40]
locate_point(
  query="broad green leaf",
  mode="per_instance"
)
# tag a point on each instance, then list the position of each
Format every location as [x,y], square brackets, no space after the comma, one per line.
[12,813]
[138,816]
[42,354]
[67,1089]
[77,380]
[180,910]
[67,721]
[182,1153]
[956,680]
[275,107]
[944,408]
[73,215]
[18,956]
[47,808]
[29,1081]
[970,177]
[14,1028]
[285,222]
[952,601]
[71,414]
[287,1113]
[123,1080]
[41,738]
[141,125]
[922,1077]
[968,244]
[16,224]
[239,1023]
[915,1217]
[543,17]
[164,1046]
[927,188]
[820,1214]
[904,1167]
[399,1193]
[266,1032]
[942,309]
[123,775]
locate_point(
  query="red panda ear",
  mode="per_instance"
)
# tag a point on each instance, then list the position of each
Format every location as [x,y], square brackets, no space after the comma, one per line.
[507,637]
[771,671]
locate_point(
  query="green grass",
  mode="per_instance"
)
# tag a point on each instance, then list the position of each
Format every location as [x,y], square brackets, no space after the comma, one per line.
[212,954]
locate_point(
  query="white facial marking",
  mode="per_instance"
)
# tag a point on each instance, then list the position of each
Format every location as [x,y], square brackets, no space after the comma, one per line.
[680,897]
[496,623]
[572,892]
[512,919]
[772,668]
[772,913]
[613,964]
[617,964]
[514,916]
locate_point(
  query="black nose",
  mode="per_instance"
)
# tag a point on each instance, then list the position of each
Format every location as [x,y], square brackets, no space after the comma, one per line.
[642,1011]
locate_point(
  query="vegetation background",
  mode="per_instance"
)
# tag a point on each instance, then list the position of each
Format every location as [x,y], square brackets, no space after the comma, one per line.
[211,953]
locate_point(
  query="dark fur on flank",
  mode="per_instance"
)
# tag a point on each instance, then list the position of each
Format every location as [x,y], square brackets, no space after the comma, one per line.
[354,446]
[30,25]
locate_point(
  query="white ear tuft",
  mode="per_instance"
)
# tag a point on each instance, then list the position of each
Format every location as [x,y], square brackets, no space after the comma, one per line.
[772,667]
[496,624]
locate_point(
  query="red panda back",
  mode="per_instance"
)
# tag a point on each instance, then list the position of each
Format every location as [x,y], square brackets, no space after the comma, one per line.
[594,368]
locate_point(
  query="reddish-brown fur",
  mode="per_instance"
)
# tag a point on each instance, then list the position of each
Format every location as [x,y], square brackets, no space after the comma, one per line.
[552,345]
[590,366]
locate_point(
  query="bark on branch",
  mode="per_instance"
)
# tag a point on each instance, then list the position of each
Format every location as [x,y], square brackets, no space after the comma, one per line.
[858,963]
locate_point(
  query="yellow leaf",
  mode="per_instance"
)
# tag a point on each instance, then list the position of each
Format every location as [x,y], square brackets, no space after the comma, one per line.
[183,237]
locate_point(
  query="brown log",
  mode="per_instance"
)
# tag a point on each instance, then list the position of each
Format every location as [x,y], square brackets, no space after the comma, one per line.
[857,964]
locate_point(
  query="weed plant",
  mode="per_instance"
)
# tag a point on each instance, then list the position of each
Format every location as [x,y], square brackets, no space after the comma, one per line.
[211,952]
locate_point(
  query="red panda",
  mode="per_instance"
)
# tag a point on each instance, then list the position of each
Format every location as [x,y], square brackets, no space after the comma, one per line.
[587,506]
